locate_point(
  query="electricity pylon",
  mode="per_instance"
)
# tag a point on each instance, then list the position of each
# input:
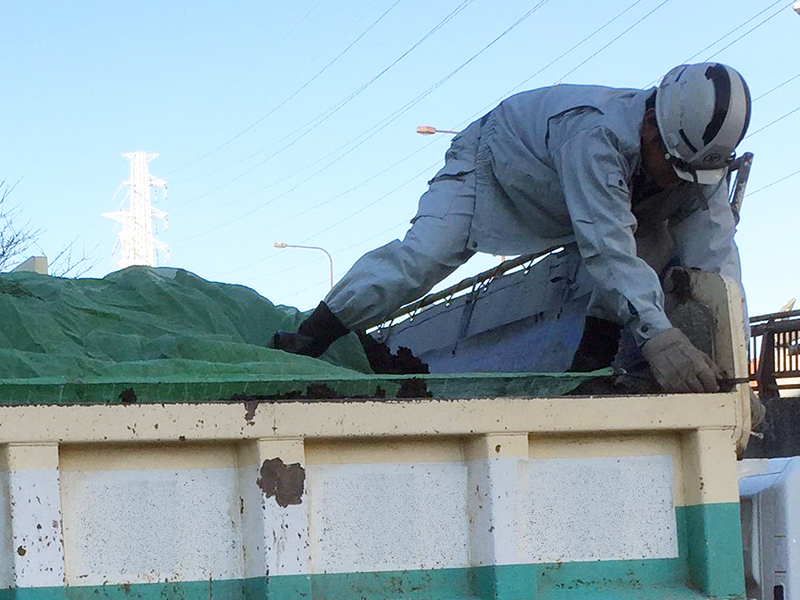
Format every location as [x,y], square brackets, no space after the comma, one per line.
[138,246]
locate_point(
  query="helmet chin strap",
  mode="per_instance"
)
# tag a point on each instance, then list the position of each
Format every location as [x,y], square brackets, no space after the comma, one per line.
[674,161]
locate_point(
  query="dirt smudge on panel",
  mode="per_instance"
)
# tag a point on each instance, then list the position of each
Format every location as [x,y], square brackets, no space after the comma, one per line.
[283,482]
[315,391]
[321,391]
[414,388]
[128,396]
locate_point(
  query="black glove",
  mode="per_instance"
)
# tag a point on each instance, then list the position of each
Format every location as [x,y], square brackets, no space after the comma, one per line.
[598,346]
[320,329]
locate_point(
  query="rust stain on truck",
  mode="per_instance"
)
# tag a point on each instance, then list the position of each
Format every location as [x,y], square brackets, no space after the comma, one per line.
[285,483]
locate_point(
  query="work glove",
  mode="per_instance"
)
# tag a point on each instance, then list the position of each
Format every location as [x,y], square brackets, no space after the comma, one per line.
[318,331]
[678,366]
[758,411]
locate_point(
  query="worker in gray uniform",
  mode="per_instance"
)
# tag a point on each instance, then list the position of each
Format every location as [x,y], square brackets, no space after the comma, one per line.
[630,176]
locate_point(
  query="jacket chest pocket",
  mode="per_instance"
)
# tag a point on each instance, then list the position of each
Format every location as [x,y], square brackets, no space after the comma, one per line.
[451,190]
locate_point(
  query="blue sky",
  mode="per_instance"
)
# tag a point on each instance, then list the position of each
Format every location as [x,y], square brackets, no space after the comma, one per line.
[295,121]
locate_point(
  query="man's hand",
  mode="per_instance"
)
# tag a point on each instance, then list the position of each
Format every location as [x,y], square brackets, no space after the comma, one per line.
[678,366]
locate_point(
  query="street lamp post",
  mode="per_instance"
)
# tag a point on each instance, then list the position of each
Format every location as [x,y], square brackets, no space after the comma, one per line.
[429,130]
[328,254]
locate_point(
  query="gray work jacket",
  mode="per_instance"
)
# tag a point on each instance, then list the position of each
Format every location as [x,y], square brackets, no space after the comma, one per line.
[554,166]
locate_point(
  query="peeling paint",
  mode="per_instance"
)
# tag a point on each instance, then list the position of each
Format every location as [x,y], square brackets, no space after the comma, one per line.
[250,407]
[286,483]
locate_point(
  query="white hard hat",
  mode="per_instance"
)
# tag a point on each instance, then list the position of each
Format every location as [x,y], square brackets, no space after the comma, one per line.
[702,113]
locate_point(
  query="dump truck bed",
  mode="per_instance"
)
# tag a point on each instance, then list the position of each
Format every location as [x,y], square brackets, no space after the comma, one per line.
[192,489]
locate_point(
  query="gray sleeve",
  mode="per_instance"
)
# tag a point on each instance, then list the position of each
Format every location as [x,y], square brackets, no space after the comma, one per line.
[594,174]
[704,238]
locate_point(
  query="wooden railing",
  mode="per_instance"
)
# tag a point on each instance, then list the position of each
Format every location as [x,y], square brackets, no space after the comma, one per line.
[774,352]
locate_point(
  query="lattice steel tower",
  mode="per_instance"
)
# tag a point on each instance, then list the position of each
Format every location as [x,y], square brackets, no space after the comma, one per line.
[136,242]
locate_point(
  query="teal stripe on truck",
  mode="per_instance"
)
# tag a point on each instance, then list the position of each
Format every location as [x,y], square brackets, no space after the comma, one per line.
[713,537]
[709,566]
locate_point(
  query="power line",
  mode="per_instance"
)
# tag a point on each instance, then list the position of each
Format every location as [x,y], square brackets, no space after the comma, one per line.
[748,32]
[714,43]
[313,122]
[365,207]
[296,74]
[781,118]
[583,63]
[777,87]
[278,85]
[352,189]
[261,59]
[399,187]
[568,73]
[551,63]
[383,124]
[272,48]
[557,59]
[296,92]
[777,181]
[317,121]
[322,52]
[311,287]
[571,71]
[710,57]
[554,61]
[593,55]
[316,206]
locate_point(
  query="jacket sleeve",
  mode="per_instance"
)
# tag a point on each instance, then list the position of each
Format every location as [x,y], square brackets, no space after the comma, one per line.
[704,238]
[594,173]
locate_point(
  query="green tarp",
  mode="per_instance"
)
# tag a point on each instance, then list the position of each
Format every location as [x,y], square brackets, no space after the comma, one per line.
[144,322]
[170,336]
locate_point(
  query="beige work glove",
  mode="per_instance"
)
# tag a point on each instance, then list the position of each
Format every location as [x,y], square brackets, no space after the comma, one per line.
[757,410]
[678,366]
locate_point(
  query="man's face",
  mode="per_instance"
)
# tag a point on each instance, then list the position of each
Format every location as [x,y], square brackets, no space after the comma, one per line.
[654,155]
